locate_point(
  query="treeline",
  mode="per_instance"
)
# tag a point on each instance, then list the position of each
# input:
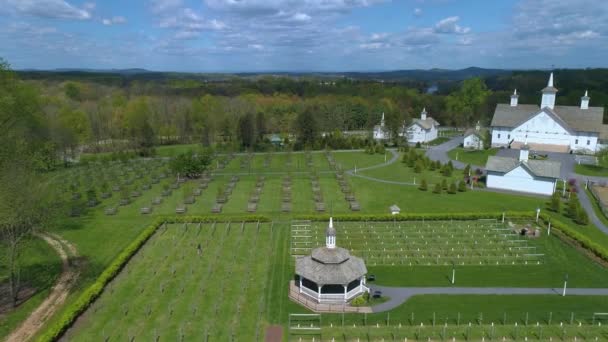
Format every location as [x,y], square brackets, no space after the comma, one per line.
[87,111]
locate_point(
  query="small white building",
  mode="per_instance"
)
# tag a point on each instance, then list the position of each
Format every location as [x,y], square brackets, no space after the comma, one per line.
[394,209]
[380,131]
[474,138]
[549,127]
[523,175]
[422,130]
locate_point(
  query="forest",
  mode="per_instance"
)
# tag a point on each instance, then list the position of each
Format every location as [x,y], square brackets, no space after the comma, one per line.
[97,111]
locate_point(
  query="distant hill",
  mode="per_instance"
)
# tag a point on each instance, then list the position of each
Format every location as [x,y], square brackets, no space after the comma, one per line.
[431,75]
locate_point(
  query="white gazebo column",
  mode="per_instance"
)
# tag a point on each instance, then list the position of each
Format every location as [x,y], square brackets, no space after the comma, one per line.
[300,284]
[361,284]
[345,292]
[319,287]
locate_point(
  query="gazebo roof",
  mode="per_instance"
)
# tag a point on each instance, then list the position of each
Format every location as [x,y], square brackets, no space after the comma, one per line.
[330,266]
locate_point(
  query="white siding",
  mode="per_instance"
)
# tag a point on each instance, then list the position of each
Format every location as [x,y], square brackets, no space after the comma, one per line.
[521,180]
[501,136]
[415,134]
[473,141]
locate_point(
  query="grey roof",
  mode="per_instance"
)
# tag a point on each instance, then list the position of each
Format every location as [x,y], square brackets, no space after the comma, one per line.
[540,168]
[394,207]
[426,124]
[549,89]
[478,133]
[343,272]
[572,117]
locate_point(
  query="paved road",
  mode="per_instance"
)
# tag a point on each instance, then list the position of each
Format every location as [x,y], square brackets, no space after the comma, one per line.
[398,295]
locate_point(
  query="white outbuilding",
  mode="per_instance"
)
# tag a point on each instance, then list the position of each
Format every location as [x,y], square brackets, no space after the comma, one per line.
[422,130]
[549,127]
[381,131]
[522,174]
[474,138]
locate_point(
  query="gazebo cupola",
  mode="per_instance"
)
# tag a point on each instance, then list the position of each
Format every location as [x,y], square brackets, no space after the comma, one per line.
[549,92]
[330,235]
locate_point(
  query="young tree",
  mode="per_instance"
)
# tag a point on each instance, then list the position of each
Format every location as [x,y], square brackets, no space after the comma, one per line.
[555,204]
[306,128]
[444,184]
[423,186]
[437,188]
[462,186]
[467,170]
[190,164]
[573,205]
[452,189]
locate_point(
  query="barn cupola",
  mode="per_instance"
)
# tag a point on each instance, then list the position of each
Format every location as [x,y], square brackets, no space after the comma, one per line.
[423,114]
[514,98]
[330,235]
[585,101]
[549,92]
[524,151]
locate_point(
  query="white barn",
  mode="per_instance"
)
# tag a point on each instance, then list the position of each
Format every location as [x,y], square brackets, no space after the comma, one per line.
[380,131]
[524,175]
[422,130]
[473,138]
[549,127]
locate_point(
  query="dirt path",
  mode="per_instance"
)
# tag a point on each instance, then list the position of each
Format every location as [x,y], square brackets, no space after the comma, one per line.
[58,294]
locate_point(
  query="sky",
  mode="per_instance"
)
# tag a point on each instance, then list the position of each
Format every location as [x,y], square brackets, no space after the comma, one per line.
[303,35]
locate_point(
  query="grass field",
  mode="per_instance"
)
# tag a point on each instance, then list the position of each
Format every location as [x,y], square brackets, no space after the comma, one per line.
[172,291]
[117,231]
[473,157]
[591,170]
[400,172]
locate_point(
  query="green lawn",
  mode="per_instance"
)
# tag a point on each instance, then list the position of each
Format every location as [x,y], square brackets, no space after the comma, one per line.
[591,170]
[438,141]
[171,290]
[473,157]
[99,238]
[400,172]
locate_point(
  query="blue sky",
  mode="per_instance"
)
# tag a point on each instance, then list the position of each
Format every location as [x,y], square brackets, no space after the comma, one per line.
[303,35]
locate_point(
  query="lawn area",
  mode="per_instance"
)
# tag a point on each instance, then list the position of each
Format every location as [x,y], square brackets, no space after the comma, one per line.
[438,141]
[486,254]
[591,170]
[473,157]
[400,172]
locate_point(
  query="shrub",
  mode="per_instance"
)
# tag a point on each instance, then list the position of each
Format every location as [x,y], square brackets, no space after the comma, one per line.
[437,189]
[423,185]
[581,216]
[462,186]
[467,170]
[418,144]
[555,204]
[452,189]
[444,184]
[418,167]
[359,301]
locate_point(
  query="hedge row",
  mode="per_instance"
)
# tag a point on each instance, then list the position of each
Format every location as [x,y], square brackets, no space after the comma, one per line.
[421,216]
[89,296]
[586,242]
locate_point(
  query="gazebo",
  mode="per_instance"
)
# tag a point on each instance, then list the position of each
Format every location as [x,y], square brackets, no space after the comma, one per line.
[330,274]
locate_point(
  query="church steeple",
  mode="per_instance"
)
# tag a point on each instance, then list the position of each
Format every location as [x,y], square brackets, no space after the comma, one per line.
[330,235]
[514,98]
[382,120]
[423,114]
[585,101]
[548,99]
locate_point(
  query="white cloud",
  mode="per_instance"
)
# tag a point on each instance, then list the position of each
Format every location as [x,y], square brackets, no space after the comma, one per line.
[301,17]
[159,6]
[114,20]
[55,9]
[417,11]
[450,25]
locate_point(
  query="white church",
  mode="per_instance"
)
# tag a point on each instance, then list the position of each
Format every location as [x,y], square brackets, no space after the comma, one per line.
[549,127]
[420,130]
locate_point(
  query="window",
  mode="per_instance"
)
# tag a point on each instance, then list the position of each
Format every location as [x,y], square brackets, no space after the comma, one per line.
[508,136]
[576,142]
[588,142]
[498,136]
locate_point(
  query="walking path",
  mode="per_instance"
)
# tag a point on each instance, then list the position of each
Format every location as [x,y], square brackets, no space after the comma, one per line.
[399,295]
[58,294]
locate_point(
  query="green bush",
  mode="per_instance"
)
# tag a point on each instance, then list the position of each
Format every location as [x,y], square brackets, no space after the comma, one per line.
[462,186]
[437,189]
[452,189]
[423,185]
[359,301]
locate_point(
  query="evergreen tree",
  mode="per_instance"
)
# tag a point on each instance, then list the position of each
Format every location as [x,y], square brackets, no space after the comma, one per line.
[573,205]
[462,186]
[466,170]
[452,189]
[418,167]
[423,186]
[581,216]
[437,188]
[444,184]
[555,202]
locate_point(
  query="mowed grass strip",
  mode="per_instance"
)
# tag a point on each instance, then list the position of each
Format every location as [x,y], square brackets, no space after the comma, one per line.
[171,291]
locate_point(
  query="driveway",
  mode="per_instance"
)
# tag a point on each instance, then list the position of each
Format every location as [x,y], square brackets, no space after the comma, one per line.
[399,295]
[440,152]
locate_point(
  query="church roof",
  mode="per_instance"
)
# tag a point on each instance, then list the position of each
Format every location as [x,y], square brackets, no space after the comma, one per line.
[540,168]
[478,132]
[575,118]
[330,266]
[426,124]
